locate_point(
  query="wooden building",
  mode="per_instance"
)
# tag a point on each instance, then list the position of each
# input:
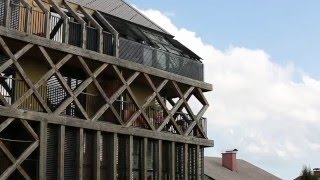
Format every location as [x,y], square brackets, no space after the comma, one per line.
[92,89]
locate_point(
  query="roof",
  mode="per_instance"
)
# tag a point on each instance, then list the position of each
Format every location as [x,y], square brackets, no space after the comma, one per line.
[120,9]
[245,171]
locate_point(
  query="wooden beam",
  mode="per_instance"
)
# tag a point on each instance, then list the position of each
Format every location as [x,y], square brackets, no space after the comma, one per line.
[80,20]
[145,159]
[186,162]
[14,166]
[65,20]
[130,160]
[103,58]
[197,163]
[47,17]
[7,13]
[114,155]
[112,30]
[96,25]
[43,150]
[101,126]
[173,160]
[61,141]
[97,145]
[80,144]
[160,159]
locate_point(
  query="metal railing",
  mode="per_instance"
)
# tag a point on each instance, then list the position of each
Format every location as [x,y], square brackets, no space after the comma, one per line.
[92,38]
[146,55]
[18,16]
[108,43]
[2,13]
[75,34]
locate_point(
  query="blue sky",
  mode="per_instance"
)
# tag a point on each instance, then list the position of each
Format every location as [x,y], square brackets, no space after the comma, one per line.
[288,30]
[262,58]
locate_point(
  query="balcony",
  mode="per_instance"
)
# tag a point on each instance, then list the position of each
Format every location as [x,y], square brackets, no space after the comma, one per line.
[72,27]
[170,62]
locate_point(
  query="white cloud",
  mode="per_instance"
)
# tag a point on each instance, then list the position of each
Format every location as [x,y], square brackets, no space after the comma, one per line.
[257,106]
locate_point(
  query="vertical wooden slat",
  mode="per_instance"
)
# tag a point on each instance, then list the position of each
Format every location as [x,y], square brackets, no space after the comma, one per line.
[43,150]
[144,158]
[28,20]
[173,160]
[7,12]
[114,156]
[130,163]
[159,159]
[97,155]
[61,152]
[185,161]
[80,153]
[197,163]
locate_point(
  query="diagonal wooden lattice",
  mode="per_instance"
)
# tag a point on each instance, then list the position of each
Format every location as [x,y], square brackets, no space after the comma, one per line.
[16,163]
[92,79]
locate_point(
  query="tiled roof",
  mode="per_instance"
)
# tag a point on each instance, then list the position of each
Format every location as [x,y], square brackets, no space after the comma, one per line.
[245,171]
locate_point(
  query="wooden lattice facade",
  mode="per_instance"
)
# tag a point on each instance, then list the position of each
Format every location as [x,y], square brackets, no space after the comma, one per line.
[75,103]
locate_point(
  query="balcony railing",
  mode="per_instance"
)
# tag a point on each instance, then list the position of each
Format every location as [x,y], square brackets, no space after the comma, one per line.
[146,55]
[22,17]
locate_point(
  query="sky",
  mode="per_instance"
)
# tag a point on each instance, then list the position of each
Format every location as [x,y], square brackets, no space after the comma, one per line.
[262,58]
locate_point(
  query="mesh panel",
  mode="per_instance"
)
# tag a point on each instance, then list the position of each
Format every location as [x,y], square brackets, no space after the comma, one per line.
[159,59]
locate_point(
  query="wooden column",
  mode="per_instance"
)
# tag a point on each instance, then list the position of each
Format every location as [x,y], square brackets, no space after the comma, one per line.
[61,152]
[43,150]
[7,12]
[173,160]
[114,154]
[197,163]
[97,155]
[144,158]
[80,144]
[185,162]
[130,160]
[159,159]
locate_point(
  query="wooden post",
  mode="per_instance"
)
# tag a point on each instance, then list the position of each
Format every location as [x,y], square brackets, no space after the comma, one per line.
[185,162]
[173,160]
[43,150]
[197,163]
[28,27]
[130,160]
[97,155]
[145,158]
[80,144]
[7,12]
[61,152]
[159,159]
[114,155]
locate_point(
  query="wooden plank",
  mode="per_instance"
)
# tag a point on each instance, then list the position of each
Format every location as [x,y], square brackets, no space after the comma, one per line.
[159,159]
[103,58]
[6,123]
[186,162]
[61,140]
[144,159]
[114,156]
[14,166]
[43,150]
[80,20]
[173,160]
[101,126]
[130,160]
[97,145]
[7,13]
[197,163]
[80,153]
[112,30]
